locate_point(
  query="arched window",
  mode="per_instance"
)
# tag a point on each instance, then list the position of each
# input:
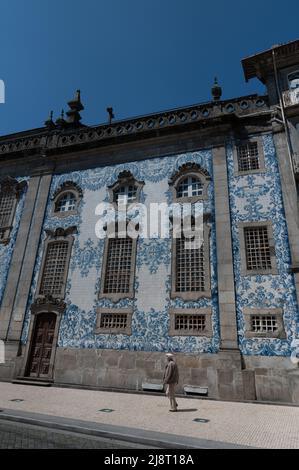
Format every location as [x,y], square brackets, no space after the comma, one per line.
[126,190]
[190,277]
[190,183]
[66,199]
[66,202]
[189,187]
[125,194]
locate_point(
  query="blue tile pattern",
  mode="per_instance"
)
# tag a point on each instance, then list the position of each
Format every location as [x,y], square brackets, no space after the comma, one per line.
[254,198]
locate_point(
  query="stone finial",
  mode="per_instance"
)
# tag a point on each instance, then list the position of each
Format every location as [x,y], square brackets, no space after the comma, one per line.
[216,90]
[76,106]
[110,114]
[49,122]
[60,122]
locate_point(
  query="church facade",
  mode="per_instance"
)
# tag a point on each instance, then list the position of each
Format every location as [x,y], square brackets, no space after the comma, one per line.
[78,309]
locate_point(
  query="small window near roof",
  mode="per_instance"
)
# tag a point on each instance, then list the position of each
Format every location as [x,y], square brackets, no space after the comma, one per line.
[125,194]
[190,187]
[66,203]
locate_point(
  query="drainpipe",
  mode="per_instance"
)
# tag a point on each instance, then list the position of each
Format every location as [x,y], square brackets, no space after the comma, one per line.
[286,127]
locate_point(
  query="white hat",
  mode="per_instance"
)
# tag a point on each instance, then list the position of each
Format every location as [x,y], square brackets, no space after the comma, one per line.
[169,355]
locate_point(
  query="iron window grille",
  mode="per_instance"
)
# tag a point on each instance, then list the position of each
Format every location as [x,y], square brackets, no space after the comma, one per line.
[190,272]
[7,205]
[118,266]
[114,321]
[264,323]
[248,156]
[190,323]
[257,247]
[53,277]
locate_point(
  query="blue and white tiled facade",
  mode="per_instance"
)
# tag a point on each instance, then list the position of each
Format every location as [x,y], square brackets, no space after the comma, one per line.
[6,251]
[150,322]
[253,198]
[256,198]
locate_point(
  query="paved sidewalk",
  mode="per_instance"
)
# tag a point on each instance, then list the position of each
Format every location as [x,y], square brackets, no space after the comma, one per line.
[224,423]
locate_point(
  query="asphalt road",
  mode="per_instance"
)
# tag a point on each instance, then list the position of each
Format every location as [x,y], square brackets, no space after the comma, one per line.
[26,436]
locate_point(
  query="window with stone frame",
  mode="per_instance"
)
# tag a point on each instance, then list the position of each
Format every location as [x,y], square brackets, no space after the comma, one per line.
[58,245]
[66,203]
[248,156]
[190,183]
[126,190]
[190,186]
[257,248]
[66,199]
[191,266]
[114,321]
[190,322]
[118,268]
[54,269]
[264,323]
[10,191]
[258,255]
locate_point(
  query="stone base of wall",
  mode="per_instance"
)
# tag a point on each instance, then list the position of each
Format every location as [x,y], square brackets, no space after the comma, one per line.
[221,373]
[13,361]
[227,375]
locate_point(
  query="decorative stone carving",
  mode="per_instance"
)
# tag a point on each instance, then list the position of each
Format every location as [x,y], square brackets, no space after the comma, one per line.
[48,304]
[68,186]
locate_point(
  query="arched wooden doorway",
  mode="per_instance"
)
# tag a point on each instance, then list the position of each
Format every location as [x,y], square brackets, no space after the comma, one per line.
[42,345]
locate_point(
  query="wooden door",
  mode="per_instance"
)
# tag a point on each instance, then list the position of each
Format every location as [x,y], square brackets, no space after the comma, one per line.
[42,344]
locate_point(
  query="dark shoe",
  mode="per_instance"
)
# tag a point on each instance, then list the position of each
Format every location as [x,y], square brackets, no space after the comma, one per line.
[173,411]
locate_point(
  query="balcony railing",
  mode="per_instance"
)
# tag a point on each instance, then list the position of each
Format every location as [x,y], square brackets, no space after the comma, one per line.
[291,97]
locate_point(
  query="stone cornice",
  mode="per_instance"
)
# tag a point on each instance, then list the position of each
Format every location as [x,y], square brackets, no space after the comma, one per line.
[56,141]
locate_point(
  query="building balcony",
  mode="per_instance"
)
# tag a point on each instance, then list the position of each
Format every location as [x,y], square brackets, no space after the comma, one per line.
[291,101]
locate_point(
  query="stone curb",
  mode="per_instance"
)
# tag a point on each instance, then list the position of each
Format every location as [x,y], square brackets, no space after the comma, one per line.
[120,433]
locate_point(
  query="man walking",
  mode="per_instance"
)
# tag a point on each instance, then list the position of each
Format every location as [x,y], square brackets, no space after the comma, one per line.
[171,379]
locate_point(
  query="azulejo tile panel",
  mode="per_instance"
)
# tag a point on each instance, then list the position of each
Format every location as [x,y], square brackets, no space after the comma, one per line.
[6,251]
[149,325]
[254,198]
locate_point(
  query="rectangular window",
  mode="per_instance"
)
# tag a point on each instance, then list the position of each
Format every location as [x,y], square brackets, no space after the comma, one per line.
[257,247]
[190,323]
[190,272]
[114,320]
[248,156]
[264,324]
[7,203]
[118,266]
[6,206]
[54,271]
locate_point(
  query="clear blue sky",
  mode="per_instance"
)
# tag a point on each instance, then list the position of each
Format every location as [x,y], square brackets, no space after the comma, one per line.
[138,56]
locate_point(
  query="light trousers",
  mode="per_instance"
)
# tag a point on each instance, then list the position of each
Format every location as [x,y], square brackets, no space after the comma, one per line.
[170,392]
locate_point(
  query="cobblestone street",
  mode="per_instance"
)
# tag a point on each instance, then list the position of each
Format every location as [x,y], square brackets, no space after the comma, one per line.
[25,436]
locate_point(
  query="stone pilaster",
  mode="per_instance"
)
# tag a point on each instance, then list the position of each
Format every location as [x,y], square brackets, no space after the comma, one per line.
[23,259]
[26,274]
[290,200]
[226,289]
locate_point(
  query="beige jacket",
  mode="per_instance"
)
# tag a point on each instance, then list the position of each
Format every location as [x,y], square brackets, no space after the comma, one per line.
[171,374]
